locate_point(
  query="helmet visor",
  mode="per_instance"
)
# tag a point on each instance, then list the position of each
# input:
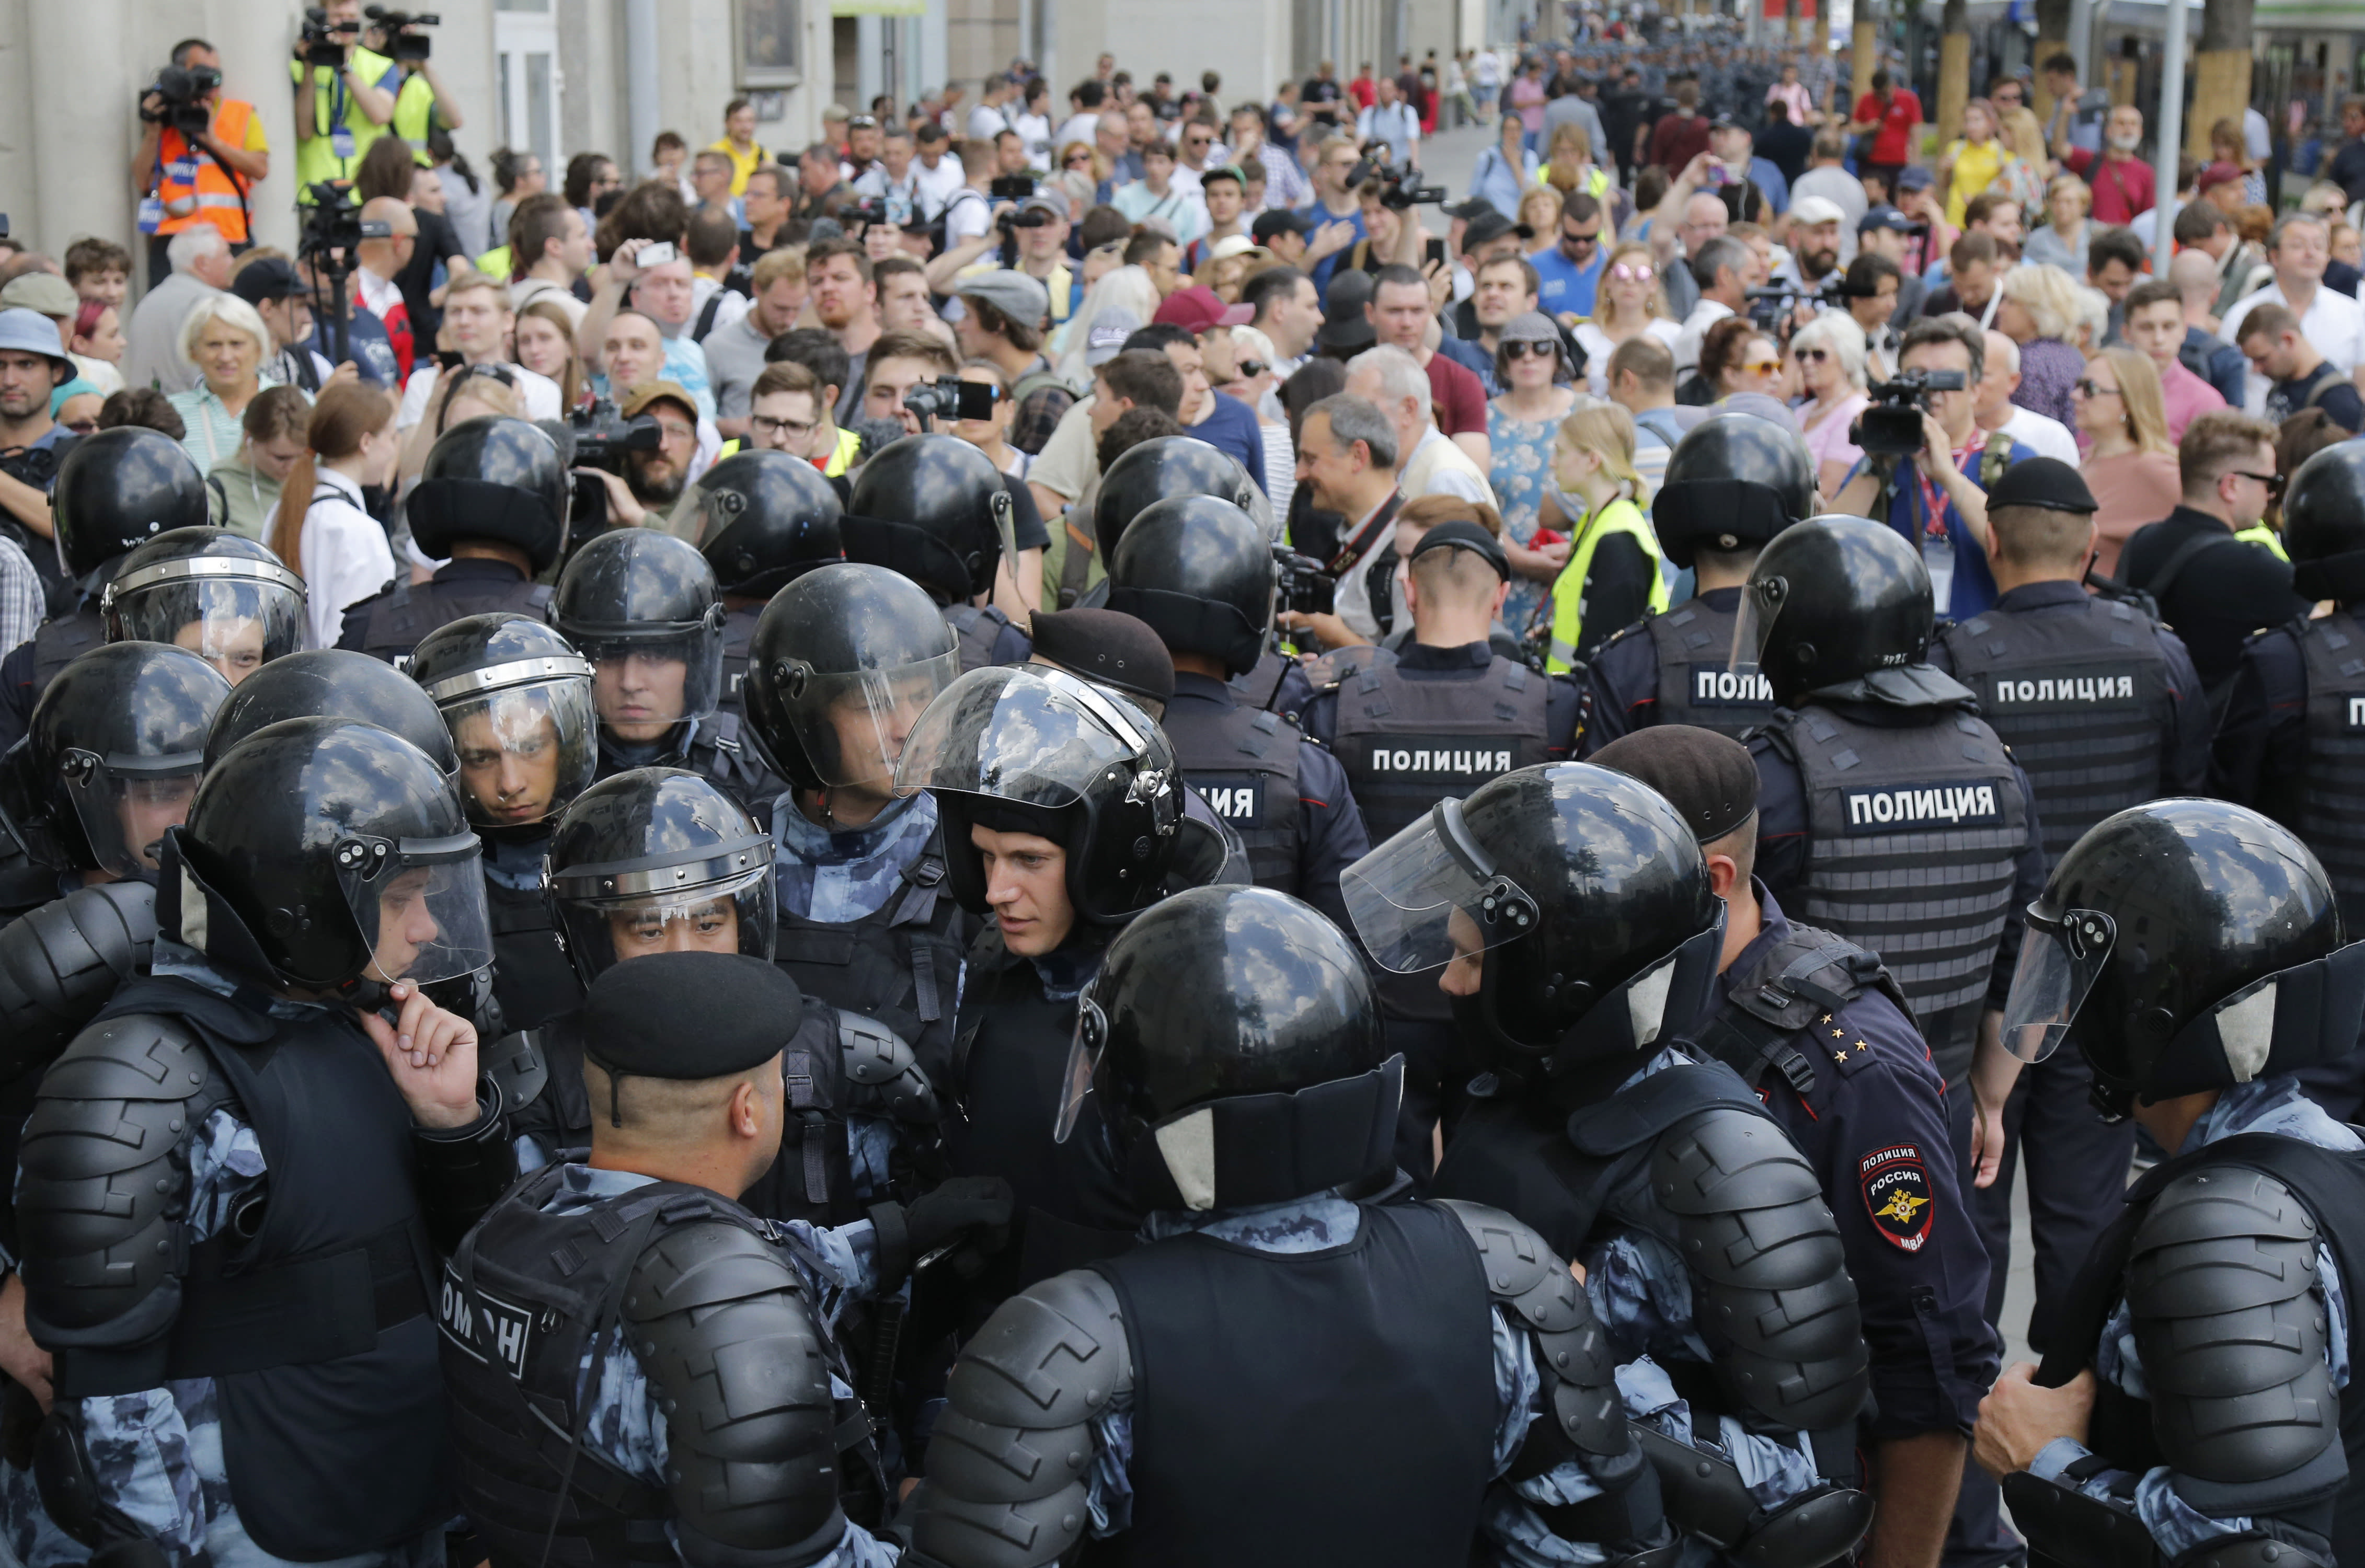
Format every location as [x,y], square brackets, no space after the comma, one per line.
[525,751]
[1430,895]
[125,803]
[1030,734]
[729,915]
[1083,1062]
[855,726]
[646,683]
[421,905]
[1761,601]
[235,623]
[2059,959]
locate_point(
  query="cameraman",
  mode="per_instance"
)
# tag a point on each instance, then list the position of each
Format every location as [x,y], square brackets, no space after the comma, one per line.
[421,105]
[196,176]
[1939,500]
[340,108]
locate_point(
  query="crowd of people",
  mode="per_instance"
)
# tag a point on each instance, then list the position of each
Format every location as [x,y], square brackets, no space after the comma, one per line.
[1039,835]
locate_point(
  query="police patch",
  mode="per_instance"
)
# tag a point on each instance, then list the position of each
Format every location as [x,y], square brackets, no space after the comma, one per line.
[1898,1194]
[1924,807]
[508,1325]
[1235,797]
[1714,686]
[2356,705]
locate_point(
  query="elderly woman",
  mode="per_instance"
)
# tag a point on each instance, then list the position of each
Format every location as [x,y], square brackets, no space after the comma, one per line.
[2061,243]
[1521,426]
[1255,375]
[224,338]
[1631,303]
[1829,351]
[2039,312]
[1736,355]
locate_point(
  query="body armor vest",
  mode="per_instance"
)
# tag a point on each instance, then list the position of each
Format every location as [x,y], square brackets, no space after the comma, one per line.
[532,977]
[1228,1345]
[2332,792]
[1277,684]
[2080,694]
[1244,760]
[1408,744]
[978,628]
[394,622]
[1914,838]
[58,643]
[899,964]
[309,1309]
[739,631]
[1693,641]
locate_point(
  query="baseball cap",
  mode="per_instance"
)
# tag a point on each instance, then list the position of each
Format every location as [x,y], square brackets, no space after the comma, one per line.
[270,278]
[1883,217]
[1279,221]
[1104,339]
[1047,198]
[1231,171]
[1344,325]
[1196,309]
[1913,178]
[1471,211]
[638,401]
[2044,482]
[29,332]
[1231,245]
[1811,209]
[1489,227]
[1018,296]
[46,292]
[1710,778]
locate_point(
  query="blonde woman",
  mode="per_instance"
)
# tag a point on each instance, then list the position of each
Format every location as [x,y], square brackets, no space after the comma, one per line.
[2039,312]
[1829,352]
[1630,302]
[2129,463]
[2061,243]
[1540,210]
[1255,375]
[1614,572]
[1078,176]
[224,338]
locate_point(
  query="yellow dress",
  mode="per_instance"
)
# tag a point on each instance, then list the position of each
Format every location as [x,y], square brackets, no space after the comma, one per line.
[1976,166]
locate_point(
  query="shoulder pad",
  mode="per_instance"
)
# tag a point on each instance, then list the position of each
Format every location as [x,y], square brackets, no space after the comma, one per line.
[61,963]
[882,1072]
[136,1056]
[1526,1278]
[1053,1355]
[517,1065]
[1522,1272]
[1726,1160]
[709,1261]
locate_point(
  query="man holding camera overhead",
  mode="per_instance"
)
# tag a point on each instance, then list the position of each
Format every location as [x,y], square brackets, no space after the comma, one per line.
[340,107]
[422,105]
[200,154]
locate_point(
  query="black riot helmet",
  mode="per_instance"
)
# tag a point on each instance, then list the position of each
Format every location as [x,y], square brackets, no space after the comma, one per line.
[656,859]
[1033,749]
[1733,482]
[517,700]
[2185,945]
[322,852]
[219,594]
[1200,572]
[933,508]
[1832,600]
[334,683]
[1233,1039]
[2324,524]
[118,488]
[762,519]
[1594,887]
[843,663]
[493,478]
[642,602]
[1163,468]
[114,747]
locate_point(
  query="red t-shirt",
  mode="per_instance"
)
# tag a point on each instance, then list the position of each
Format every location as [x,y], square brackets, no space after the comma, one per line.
[1676,139]
[1892,143]
[1460,397]
[1363,91]
[2122,187]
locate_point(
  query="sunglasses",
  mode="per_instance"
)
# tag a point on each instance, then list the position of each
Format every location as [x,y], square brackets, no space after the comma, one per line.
[1078,159]
[1810,356]
[1623,273]
[2086,386]
[1586,241]
[1252,368]
[1521,348]
[2273,482]
[1763,366]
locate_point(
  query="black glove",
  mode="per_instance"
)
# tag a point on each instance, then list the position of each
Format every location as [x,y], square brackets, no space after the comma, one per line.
[970,1214]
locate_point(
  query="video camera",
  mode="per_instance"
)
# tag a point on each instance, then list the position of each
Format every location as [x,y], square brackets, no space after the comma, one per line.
[180,91]
[333,229]
[1301,585]
[1398,189]
[404,42]
[949,397]
[603,436]
[1890,426]
[1770,308]
[323,41]
[1010,187]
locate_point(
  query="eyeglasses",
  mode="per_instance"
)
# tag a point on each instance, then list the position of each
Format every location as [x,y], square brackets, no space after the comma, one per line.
[1625,272]
[1810,356]
[1520,348]
[2086,386]
[796,429]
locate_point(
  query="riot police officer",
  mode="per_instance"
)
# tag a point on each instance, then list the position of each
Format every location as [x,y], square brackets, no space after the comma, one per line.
[1888,811]
[292,1129]
[1733,482]
[2101,707]
[643,607]
[115,490]
[934,508]
[334,683]
[1292,1370]
[492,498]
[2196,951]
[219,594]
[762,520]
[669,1274]
[1817,1027]
[1569,913]
[518,702]
[1200,572]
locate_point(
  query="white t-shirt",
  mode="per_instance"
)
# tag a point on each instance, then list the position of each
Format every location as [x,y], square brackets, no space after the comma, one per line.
[1598,348]
[1437,468]
[1080,128]
[937,185]
[968,213]
[538,393]
[2048,435]
[344,553]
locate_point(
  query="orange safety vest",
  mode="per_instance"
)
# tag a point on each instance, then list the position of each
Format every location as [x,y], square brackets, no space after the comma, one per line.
[190,175]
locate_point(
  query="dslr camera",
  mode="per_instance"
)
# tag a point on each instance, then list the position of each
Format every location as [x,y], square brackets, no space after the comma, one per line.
[949,396]
[1301,585]
[323,41]
[404,41]
[1890,426]
[1399,189]
[179,92]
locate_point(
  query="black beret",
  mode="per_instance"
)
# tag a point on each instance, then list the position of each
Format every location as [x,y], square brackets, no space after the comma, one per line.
[1462,534]
[1106,646]
[690,1016]
[2045,482]
[1710,778]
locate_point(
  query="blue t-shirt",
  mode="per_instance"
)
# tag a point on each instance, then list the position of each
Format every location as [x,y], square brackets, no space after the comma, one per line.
[1974,590]
[371,349]
[1233,428]
[1323,218]
[1564,285]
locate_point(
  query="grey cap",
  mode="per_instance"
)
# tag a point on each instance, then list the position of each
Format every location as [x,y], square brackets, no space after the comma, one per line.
[1103,339]
[44,293]
[1018,296]
[1531,326]
[29,332]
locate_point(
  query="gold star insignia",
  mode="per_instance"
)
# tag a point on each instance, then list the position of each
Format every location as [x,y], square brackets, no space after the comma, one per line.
[1827,1017]
[1839,1056]
[1839,1034]
[1861,1046]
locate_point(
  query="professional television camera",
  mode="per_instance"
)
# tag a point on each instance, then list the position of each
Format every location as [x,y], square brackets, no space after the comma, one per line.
[332,232]
[323,41]
[597,436]
[1891,425]
[178,100]
[1399,189]
[404,42]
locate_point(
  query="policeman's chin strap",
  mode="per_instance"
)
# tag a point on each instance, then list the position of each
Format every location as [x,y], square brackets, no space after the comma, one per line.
[2292,1018]
[1252,1149]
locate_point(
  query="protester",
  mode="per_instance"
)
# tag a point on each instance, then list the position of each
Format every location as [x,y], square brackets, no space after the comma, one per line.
[1830,352]
[1996,410]
[350,445]
[154,356]
[228,343]
[96,343]
[2129,463]
[2039,312]
[1522,426]
[243,488]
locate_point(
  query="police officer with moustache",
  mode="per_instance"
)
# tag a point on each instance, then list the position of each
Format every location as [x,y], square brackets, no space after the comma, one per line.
[2101,707]
[2198,1405]
[1889,811]
[492,497]
[1816,1027]
[115,490]
[762,520]
[720,1428]
[643,608]
[1231,1060]
[1733,482]
[220,595]
[934,508]
[1199,572]
[232,1185]
[1568,912]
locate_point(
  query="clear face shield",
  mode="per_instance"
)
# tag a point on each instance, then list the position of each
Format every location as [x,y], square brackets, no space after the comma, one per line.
[234,614]
[1027,733]
[420,903]
[719,903]
[125,803]
[1761,601]
[855,726]
[1085,1051]
[1431,894]
[647,681]
[2060,958]
[527,738]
